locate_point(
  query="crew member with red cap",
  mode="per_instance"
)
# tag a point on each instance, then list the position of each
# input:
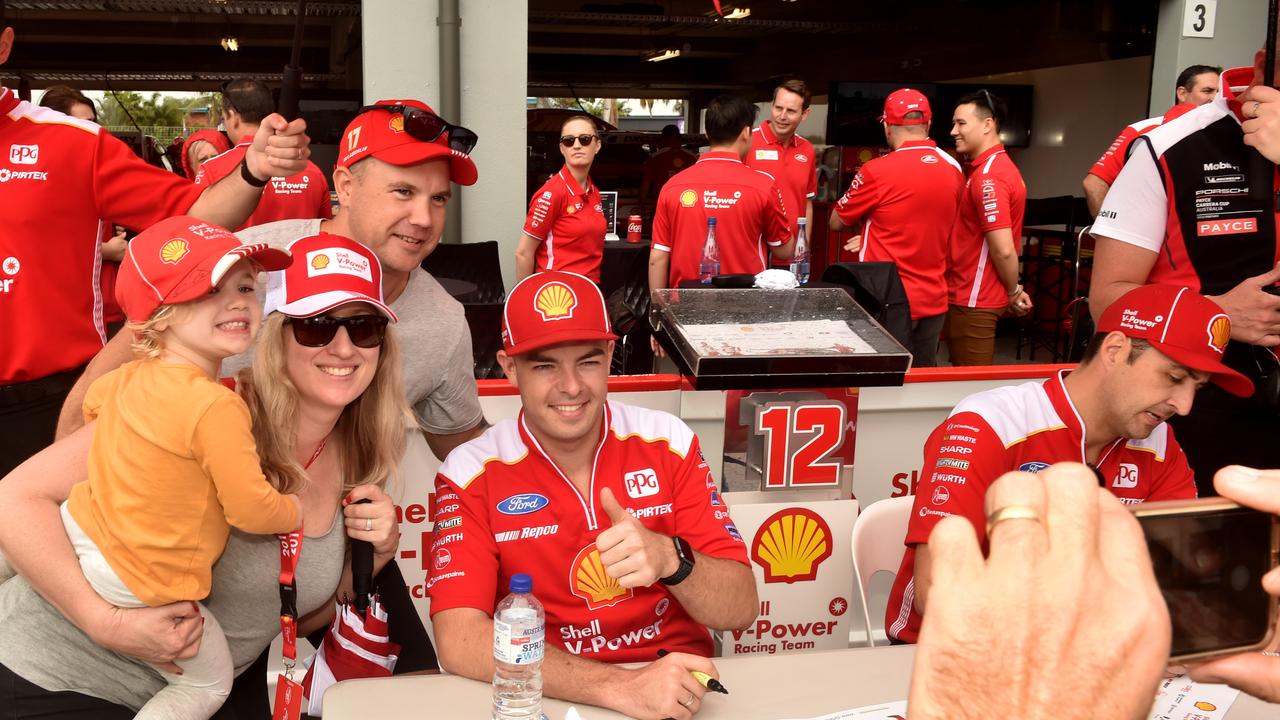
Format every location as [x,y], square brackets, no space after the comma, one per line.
[304,195]
[982,259]
[616,499]
[778,151]
[396,162]
[1155,347]
[750,214]
[565,227]
[903,206]
[59,177]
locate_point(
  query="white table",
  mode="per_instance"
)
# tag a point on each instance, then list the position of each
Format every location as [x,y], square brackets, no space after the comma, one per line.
[783,686]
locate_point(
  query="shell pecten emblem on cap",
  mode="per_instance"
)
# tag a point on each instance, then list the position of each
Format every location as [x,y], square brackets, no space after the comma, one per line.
[1219,332]
[555,301]
[173,251]
[791,544]
[320,261]
[589,581]
[688,198]
[397,123]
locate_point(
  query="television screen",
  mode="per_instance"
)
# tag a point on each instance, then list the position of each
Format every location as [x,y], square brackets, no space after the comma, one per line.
[854,108]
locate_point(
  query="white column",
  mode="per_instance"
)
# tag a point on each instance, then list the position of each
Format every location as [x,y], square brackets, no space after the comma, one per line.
[401,50]
[1240,27]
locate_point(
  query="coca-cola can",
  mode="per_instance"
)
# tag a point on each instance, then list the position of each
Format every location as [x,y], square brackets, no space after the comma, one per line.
[634,227]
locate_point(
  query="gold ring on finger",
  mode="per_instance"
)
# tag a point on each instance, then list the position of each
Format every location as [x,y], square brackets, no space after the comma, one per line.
[1012,512]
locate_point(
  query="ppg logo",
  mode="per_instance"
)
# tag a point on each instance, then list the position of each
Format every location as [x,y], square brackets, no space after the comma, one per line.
[523,504]
[24,154]
[641,483]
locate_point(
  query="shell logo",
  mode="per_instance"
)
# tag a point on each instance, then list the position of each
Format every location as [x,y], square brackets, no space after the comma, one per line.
[320,262]
[173,251]
[397,123]
[791,544]
[555,301]
[589,581]
[1219,332]
[688,198]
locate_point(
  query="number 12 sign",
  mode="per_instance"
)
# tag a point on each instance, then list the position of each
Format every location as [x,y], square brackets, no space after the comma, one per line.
[800,443]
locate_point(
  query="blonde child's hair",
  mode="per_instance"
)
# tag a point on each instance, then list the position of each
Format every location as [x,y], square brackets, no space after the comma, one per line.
[148,335]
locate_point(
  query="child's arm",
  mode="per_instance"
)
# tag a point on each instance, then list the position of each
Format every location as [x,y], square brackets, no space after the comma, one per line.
[223,444]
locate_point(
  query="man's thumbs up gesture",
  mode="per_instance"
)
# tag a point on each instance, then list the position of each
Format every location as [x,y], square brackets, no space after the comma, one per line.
[630,552]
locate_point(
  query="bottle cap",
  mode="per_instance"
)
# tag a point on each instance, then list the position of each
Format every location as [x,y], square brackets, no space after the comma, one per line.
[711,221]
[802,221]
[521,583]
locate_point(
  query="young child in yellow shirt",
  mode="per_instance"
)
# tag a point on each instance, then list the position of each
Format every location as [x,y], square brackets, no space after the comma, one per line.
[172,465]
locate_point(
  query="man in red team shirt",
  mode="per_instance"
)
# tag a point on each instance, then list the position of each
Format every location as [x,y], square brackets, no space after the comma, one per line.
[982,263]
[786,157]
[59,176]
[1155,347]
[610,508]
[1197,85]
[903,206]
[748,206]
[304,195]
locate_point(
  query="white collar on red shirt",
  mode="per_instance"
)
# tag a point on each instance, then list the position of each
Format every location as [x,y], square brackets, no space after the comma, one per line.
[571,185]
[766,132]
[925,144]
[8,100]
[606,427]
[1066,409]
[987,154]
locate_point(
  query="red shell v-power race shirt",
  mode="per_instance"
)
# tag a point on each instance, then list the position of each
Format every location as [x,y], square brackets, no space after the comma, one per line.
[504,507]
[304,196]
[1024,427]
[59,177]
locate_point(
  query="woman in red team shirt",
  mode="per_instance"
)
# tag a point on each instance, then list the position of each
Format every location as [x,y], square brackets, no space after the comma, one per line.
[565,226]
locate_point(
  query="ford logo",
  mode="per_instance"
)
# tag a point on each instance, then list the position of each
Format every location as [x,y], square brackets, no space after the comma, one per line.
[1033,467]
[523,504]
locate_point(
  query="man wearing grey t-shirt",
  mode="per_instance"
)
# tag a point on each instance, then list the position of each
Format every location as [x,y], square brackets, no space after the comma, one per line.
[393,180]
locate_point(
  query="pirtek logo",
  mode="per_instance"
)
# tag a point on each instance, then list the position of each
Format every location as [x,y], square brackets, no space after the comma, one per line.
[1206,228]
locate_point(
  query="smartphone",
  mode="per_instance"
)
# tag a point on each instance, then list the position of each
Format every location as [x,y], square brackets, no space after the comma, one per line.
[1209,557]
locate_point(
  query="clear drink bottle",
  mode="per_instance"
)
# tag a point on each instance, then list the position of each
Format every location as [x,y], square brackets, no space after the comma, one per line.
[518,629]
[709,265]
[800,261]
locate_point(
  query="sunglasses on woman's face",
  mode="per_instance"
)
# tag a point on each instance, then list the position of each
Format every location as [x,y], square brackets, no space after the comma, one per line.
[584,139]
[428,127]
[366,331]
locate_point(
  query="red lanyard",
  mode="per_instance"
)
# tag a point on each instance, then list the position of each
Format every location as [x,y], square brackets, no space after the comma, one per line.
[290,548]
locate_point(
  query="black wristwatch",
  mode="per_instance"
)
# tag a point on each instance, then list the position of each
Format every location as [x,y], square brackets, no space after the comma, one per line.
[248,176]
[684,552]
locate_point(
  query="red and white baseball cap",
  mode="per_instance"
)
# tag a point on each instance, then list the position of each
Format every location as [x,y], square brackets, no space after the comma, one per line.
[181,259]
[550,308]
[331,270]
[901,102]
[381,133]
[1184,325]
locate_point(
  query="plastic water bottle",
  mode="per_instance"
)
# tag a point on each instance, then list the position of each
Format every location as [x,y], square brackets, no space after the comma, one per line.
[709,265]
[518,628]
[800,261]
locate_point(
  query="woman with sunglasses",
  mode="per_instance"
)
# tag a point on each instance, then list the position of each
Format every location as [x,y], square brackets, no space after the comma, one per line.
[325,396]
[565,227]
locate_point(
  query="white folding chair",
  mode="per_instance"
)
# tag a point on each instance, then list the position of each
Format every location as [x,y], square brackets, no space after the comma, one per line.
[877,547]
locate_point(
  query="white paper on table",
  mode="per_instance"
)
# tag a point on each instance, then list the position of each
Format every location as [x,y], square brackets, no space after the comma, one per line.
[833,337]
[884,711]
[1180,698]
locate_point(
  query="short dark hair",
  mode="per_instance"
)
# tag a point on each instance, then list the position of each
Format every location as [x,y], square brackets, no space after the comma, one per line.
[726,116]
[1,14]
[595,124]
[797,86]
[988,104]
[1095,344]
[251,98]
[62,98]
[670,131]
[1187,78]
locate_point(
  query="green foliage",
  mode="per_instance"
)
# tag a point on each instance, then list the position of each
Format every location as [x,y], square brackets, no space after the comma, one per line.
[596,106]
[156,110]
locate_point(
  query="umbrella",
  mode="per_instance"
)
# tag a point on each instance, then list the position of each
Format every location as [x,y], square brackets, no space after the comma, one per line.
[357,644]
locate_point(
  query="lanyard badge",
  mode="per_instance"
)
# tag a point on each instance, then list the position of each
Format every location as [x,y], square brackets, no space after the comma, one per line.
[288,692]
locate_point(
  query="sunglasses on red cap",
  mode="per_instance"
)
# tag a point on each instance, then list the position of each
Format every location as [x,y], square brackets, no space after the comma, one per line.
[365,331]
[428,127]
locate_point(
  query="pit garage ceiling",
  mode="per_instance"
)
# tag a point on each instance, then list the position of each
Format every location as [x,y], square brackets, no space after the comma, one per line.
[591,48]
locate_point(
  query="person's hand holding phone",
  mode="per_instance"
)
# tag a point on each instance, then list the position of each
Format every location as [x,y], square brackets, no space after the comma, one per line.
[1256,673]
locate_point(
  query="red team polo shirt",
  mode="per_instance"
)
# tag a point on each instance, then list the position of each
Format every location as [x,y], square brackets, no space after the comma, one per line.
[793,166]
[503,507]
[906,202]
[1108,167]
[748,208]
[994,198]
[1025,427]
[58,177]
[568,220]
[304,196]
